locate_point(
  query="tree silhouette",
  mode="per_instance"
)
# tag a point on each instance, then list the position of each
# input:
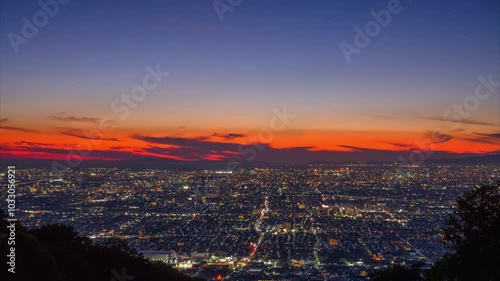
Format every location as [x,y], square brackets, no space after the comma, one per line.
[473,233]
[476,220]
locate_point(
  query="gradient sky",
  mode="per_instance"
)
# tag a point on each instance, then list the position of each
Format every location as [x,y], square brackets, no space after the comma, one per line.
[227,77]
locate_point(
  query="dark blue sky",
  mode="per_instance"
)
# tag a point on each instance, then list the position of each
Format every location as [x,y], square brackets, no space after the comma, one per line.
[265,54]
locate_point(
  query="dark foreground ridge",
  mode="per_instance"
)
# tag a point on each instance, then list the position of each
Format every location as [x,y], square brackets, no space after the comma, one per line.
[57,253]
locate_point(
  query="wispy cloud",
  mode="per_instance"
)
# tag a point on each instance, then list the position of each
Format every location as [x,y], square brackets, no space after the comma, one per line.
[491,138]
[50,151]
[75,119]
[354,148]
[33,144]
[85,134]
[436,137]
[493,135]
[18,129]
[404,145]
[464,121]
[14,128]
[228,136]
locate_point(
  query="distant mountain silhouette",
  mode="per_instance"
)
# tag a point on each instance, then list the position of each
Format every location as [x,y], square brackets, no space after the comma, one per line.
[162,163]
[476,160]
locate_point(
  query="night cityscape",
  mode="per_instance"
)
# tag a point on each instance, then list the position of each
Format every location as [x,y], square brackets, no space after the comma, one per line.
[325,221]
